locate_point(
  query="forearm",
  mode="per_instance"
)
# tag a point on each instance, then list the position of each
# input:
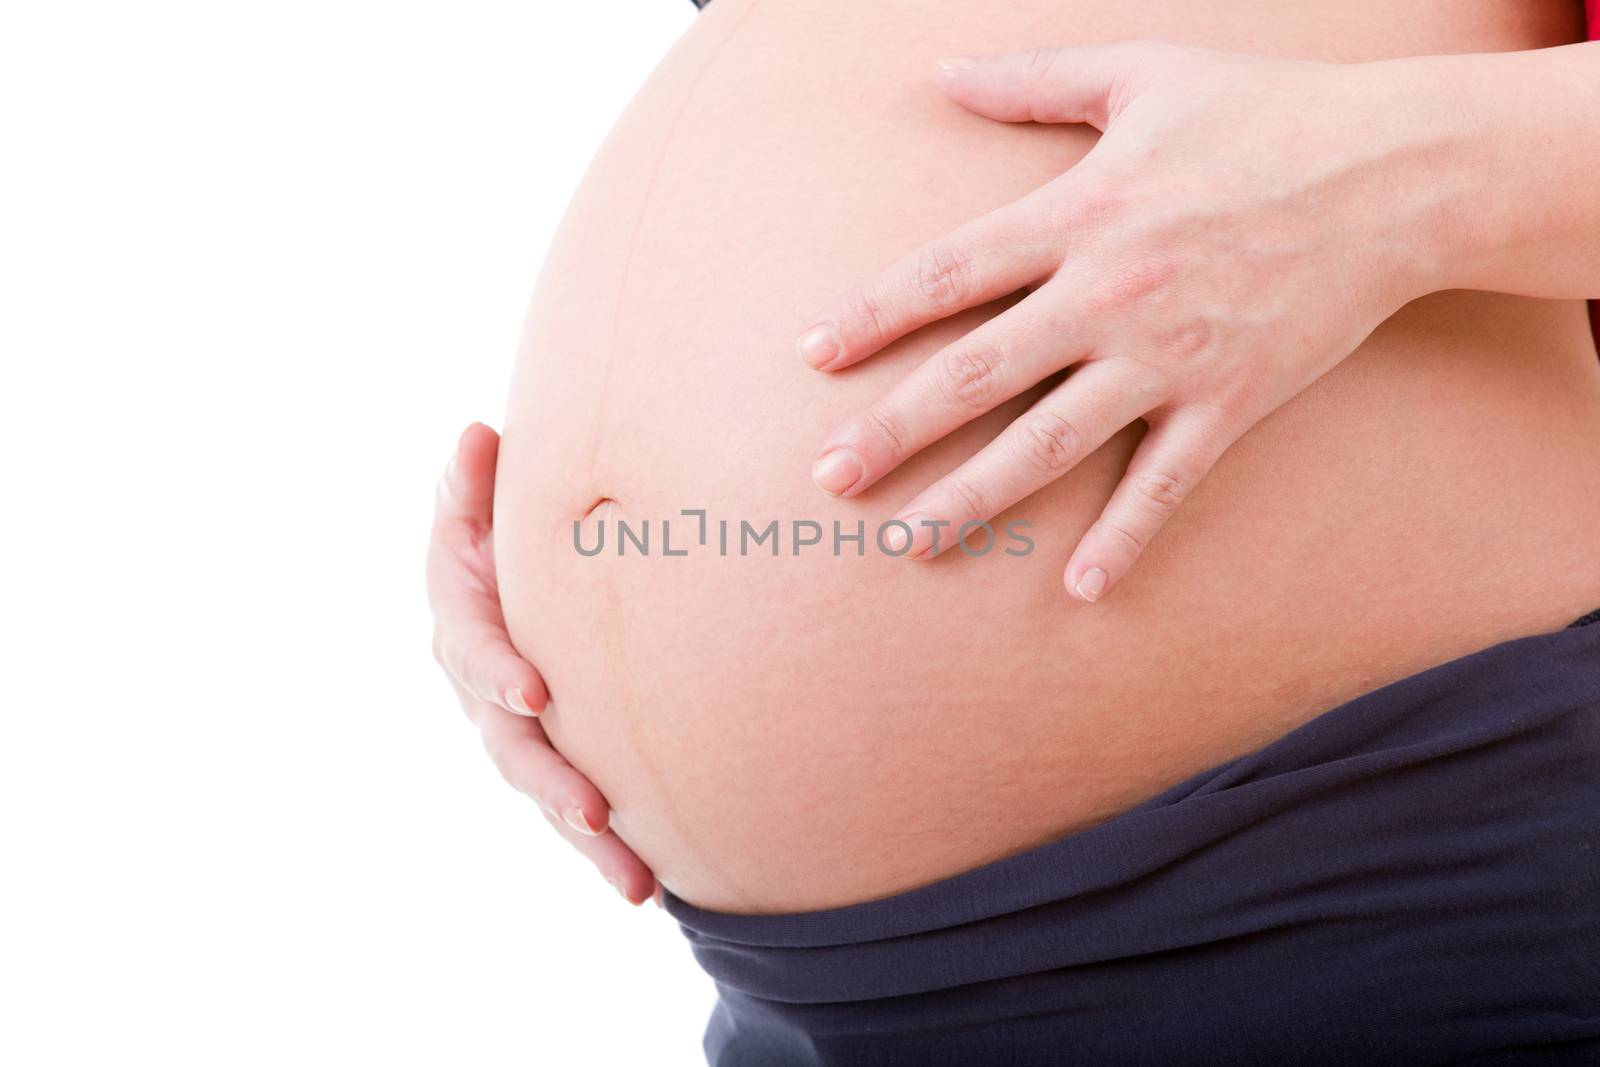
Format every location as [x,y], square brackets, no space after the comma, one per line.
[1512,168]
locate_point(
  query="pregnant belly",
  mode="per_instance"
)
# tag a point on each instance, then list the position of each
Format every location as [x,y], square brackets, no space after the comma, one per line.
[823,723]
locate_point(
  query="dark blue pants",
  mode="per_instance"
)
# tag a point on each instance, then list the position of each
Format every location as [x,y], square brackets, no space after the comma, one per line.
[1410,878]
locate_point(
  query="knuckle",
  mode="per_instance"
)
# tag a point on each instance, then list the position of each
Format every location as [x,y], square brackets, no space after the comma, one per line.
[972,375]
[1131,542]
[1160,492]
[972,504]
[1242,404]
[871,316]
[889,431]
[1184,343]
[944,276]
[1041,63]
[1150,383]
[1050,442]
[1090,212]
[1132,281]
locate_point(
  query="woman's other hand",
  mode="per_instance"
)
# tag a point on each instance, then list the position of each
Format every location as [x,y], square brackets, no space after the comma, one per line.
[501,693]
[1240,227]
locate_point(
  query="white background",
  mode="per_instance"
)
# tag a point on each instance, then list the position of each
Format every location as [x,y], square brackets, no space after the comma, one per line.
[259,264]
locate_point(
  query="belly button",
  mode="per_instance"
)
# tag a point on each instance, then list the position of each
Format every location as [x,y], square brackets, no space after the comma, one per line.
[600,505]
[589,530]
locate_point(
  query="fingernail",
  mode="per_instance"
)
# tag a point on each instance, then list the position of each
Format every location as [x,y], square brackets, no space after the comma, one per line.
[927,538]
[958,63]
[516,702]
[451,471]
[620,888]
[1092,584]
[575,818]
[837,471]
[819,346]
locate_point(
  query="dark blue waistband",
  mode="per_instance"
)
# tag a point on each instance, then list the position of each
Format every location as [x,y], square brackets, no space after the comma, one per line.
[1411,877]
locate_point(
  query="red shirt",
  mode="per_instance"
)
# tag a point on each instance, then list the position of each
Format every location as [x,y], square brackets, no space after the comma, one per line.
[1593,7]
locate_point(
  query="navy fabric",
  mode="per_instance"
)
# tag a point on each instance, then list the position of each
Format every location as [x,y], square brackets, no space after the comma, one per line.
[1410,878]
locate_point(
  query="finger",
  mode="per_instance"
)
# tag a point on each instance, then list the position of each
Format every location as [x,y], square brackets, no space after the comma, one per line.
[984,260]
[466,492]
[471,644]
[512,700]
[1080,83]
[1007,354]
[470,639]
[526,759]
[1174,455]
[569,801]
[1068,423]
[470,704]
[460,557]
[617,863]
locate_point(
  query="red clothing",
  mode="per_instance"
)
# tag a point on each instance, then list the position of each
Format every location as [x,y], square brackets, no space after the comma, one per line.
[1593,7]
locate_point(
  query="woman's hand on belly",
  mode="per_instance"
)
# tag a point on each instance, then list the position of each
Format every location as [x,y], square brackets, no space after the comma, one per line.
[1243,224]
[502,693]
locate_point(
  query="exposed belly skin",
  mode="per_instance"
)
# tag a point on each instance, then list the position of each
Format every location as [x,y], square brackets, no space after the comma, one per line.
[807,731]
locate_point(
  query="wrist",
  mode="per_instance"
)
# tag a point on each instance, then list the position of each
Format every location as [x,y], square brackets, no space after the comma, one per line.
[1505,147]
[1430,206]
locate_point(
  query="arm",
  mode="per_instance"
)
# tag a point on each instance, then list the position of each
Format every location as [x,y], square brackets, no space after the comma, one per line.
[1515,167]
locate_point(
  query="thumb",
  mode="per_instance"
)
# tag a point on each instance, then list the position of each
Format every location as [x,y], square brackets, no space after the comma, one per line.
[1081,83]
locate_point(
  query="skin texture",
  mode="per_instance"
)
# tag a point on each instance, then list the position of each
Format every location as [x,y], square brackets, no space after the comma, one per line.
[805,731]
[1120,255]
